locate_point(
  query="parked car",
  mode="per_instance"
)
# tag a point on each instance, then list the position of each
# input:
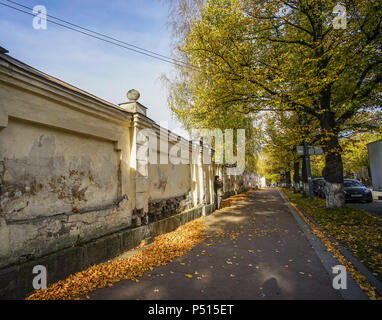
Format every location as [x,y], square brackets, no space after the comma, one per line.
[321,188]
[356,191]
[315,183]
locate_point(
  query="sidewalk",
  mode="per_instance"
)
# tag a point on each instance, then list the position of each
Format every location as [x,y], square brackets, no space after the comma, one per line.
[256,250]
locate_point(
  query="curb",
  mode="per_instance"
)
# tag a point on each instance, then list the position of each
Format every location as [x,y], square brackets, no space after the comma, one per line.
[359,266]
[353,291]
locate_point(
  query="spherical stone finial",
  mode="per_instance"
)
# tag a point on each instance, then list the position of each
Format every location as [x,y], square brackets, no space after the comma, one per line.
[133,95]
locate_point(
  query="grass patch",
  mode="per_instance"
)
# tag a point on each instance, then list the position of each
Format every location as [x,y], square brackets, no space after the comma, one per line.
[357,231]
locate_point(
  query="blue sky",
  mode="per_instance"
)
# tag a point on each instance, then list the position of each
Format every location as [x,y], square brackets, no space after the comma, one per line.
[102,69]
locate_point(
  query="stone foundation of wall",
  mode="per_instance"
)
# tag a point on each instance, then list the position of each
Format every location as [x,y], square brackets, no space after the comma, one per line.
[16,281]
[164,208]
[31,238]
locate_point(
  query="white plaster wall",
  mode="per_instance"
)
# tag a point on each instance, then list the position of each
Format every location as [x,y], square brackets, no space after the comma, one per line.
[48,171]
[67,160]
[169,180]
[64,162]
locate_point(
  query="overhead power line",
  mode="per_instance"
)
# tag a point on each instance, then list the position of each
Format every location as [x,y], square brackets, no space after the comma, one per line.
[104,37]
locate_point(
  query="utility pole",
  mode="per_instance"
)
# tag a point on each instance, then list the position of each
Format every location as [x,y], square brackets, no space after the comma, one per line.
[307,160]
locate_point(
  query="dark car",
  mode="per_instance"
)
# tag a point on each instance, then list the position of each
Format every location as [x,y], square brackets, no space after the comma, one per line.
[315,183]
[356,191]
[321,188]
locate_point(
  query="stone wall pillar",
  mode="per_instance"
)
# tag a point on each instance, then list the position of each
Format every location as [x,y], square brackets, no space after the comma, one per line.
[139,159]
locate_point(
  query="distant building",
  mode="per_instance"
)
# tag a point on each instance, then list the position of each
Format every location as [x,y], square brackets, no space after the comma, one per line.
[375,160]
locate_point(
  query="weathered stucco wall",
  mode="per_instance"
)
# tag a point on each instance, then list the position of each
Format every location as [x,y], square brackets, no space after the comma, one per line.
[169,180]
[70,170]
[46,171]
[64,165]
[54,188]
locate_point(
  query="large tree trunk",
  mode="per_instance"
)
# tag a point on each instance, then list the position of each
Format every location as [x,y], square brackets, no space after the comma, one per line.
[333,173]
[334,193]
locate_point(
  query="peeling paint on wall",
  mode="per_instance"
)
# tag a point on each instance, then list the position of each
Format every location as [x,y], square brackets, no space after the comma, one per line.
[161,174]
[60,172]
[54,187]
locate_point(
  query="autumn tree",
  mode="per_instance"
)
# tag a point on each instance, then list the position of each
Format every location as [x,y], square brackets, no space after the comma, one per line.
[283,132]
[278,147]
[284,55]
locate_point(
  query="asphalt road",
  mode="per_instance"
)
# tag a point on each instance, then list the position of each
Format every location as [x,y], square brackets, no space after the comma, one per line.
[374,207]
[263,254]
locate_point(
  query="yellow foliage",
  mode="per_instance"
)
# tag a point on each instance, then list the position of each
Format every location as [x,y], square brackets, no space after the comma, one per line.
[164,249]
